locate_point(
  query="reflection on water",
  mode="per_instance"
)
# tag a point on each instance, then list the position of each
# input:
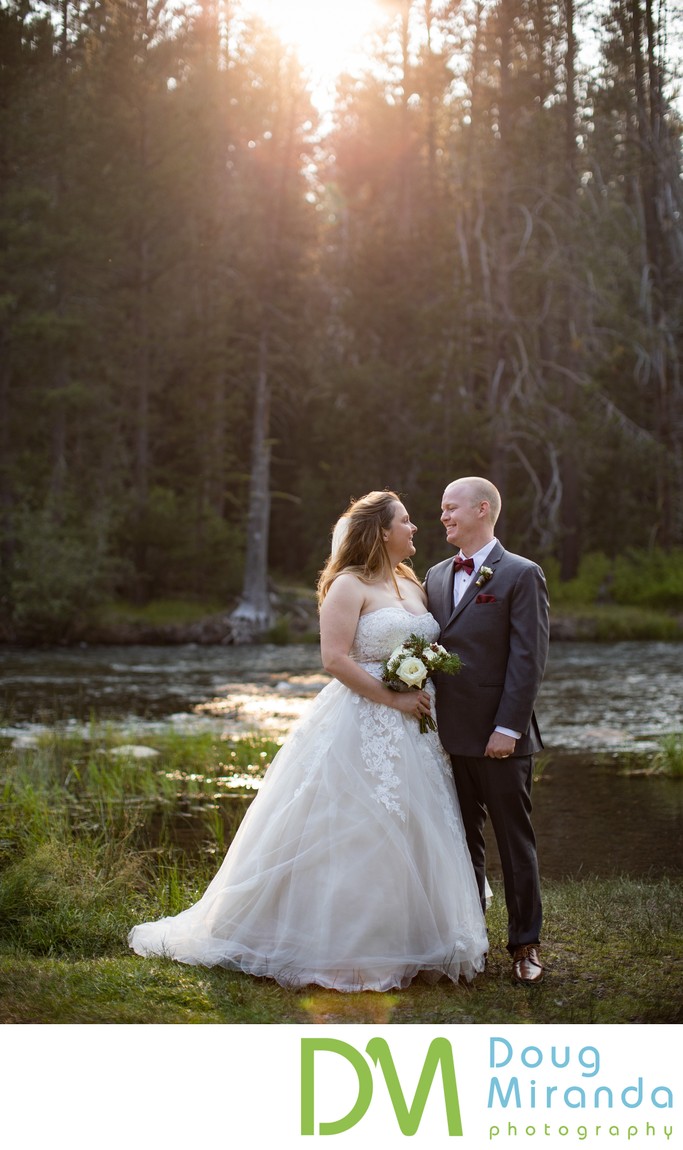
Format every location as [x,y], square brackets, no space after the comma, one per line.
[596,700]
[191,688]
[594,697]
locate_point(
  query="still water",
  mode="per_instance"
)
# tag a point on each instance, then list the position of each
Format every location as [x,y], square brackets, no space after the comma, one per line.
[601,708]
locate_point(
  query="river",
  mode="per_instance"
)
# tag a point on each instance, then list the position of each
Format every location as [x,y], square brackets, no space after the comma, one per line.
[602,708]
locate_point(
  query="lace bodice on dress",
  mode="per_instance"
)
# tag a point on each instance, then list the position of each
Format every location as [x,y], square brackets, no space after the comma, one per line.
[379,632]
[383,729]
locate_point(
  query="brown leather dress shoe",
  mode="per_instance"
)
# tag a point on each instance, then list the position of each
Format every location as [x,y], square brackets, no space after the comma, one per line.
[527,967]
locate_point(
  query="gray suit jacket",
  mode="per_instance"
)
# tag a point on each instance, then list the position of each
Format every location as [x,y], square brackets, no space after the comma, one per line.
[500,630]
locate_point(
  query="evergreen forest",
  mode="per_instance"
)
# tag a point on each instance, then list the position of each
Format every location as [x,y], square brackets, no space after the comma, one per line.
[224,313]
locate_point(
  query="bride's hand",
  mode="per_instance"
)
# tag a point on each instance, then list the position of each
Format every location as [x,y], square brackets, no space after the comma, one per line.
[415,703]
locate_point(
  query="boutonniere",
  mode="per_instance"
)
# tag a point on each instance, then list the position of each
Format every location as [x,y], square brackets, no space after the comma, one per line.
[483,576]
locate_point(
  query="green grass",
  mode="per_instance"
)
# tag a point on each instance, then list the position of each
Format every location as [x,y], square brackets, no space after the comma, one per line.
[77,870]
[574,615]
[157,613]
[612,949]
[296,621]
[614,624]
[64,767]
[604,602]
[669,759]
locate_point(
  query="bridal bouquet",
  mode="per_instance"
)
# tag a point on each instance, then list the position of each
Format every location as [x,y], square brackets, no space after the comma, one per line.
[410,665]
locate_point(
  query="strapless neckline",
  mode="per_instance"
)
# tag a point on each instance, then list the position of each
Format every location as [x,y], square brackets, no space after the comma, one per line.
[403,610]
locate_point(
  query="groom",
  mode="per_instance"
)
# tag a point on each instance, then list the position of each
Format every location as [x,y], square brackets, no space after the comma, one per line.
[492,607]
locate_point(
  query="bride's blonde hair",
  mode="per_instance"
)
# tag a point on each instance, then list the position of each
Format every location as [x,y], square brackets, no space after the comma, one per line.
[358,544]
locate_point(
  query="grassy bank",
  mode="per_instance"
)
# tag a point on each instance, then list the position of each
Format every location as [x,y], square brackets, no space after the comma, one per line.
[297,621]
[603,603]
[612,950]
[179,622]
[78,868]
[613,624]
[637,595]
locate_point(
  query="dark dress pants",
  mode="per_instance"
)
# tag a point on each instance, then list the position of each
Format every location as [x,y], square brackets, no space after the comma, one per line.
[502,787]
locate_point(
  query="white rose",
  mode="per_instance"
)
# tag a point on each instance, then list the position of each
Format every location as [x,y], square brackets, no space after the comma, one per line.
[429,655]
[412,672]
[396,656]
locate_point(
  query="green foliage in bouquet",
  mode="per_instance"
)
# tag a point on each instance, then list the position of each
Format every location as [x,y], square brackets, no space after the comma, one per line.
[410,665]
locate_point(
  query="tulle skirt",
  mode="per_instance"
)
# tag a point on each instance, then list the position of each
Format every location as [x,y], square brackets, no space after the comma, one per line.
[350,869]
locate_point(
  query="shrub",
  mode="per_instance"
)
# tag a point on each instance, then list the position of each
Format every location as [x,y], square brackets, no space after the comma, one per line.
[180,547]
[649,579]
[61,571]
[638,578]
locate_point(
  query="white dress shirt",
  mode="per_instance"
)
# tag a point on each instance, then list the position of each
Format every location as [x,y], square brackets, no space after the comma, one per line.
[463,578]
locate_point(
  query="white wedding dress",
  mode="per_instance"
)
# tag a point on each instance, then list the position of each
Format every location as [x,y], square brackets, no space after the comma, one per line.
[350,868]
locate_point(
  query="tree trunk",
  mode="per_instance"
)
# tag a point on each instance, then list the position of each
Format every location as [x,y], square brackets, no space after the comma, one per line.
[650,193]
[405,210]
[142,355]
[253,614]
[570,543]
[6,493]
[499,313]
[59,372]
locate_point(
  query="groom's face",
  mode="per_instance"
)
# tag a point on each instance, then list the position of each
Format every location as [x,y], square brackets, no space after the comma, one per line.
[461,517]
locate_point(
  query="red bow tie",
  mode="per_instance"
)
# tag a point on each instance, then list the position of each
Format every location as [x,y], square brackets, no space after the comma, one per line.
[461,564]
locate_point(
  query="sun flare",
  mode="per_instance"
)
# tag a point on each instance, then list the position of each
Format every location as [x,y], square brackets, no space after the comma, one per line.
[327,35]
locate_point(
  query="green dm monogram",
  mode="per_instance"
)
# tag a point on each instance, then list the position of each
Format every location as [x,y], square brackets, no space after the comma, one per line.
[408,1117]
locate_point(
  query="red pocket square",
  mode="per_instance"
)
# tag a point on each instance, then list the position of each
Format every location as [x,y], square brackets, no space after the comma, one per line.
[485,599]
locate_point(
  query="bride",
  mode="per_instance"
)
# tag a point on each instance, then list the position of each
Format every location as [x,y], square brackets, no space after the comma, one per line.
[350,868]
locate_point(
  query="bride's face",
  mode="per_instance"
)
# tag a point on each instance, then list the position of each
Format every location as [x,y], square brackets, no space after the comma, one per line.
[399,537]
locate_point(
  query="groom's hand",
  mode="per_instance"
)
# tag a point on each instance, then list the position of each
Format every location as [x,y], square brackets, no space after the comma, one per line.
[500,746]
